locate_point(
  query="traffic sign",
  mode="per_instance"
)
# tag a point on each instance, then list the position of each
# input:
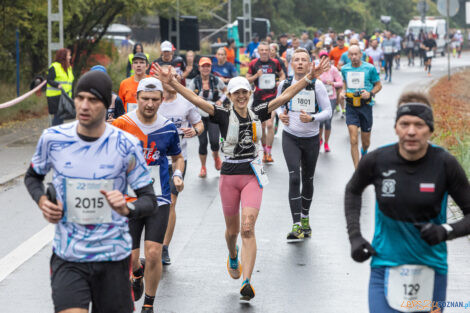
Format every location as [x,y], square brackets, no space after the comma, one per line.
[453,7]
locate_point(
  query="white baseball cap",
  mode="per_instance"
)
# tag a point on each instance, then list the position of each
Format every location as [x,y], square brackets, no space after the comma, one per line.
[166,46]
[237,83]
[150,84]
[328,40]
[347,32]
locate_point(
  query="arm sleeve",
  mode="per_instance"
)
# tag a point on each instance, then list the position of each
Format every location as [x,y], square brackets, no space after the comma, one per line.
[146,203]
[459,189]
[51,78]
[362,177]
[323,102]
[34,184]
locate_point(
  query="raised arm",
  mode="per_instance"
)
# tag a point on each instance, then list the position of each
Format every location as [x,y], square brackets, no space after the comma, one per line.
[167,77]
[290,92]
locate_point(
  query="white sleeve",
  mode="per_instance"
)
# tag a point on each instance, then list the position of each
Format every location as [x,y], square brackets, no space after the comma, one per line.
[193,115]
[280,109]
[323,102]
[192,85]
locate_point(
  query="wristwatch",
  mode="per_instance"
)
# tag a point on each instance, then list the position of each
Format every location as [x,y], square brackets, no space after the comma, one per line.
[448,229]
[371,94]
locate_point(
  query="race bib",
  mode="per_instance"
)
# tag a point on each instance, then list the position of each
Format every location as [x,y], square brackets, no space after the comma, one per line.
[258,169]
[388,49]
[131,107]
[85,204]
[410,44]
[267,81]
[408,283]
[304,100]
[355,80]
[429,54]
[329,90]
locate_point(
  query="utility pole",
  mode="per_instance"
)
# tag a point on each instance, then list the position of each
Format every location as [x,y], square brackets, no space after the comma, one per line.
[246,22]
[54,17]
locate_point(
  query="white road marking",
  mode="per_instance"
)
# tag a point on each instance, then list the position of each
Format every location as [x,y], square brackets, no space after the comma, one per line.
[25,251]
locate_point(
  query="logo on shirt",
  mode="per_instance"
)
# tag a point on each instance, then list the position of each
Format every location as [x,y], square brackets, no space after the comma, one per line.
[68,165]
[106,166]
[427,187]
[388,187]
[388,173]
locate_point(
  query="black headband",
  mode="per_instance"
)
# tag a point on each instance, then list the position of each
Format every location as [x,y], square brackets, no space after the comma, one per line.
[420,110]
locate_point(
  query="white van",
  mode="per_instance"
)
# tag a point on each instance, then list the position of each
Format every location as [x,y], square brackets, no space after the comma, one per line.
[436,25]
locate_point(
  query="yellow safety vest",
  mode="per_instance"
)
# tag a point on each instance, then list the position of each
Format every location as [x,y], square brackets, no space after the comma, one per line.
[63,78]
[131,56]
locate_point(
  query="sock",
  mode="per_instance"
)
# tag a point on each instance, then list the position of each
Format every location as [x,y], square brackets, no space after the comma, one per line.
[303,215]
[268,149]
[246,281]
[363,152]
[265,149]
[139,272]
[148,301]
[298,223]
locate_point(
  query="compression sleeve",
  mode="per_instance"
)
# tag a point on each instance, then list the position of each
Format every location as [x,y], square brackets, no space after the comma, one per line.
[146,203]
[361,178]
[34,184]
[459,190]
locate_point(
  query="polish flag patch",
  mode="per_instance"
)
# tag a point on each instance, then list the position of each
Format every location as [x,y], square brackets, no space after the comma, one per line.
[423,187]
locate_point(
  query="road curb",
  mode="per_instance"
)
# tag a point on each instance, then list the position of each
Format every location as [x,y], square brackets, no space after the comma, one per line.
[5,179]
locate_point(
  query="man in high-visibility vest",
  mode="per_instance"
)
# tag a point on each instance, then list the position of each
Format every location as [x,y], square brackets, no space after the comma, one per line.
[128,87]
[60,77]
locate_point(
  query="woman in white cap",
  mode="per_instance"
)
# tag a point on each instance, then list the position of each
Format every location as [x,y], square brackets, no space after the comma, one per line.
[242,175]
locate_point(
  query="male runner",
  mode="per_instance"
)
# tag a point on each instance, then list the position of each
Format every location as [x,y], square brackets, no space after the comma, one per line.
[263,73]
[159,138]
[361,83]
[128,87]
[188,121]
[412,180]
[93,163]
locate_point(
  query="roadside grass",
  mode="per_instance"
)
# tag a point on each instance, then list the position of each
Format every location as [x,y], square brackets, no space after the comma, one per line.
[452,115]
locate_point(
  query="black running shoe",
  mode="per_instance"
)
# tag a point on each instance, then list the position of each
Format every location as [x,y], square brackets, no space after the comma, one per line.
[138,283]
[147,309]
[304,221]
[247,292]
[165,256]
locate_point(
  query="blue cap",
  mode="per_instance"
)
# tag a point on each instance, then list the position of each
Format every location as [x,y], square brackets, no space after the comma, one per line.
[99,68]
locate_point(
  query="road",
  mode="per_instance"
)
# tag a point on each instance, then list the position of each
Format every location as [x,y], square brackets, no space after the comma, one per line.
[316,275]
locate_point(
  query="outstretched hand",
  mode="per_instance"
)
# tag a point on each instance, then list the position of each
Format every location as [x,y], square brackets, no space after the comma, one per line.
[319,69]
[163,75]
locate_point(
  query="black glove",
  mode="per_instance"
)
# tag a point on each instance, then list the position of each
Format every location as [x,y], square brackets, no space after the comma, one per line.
[361,249]
[432,233]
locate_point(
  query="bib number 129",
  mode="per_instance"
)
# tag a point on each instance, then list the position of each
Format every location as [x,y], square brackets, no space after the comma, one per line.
[411,289]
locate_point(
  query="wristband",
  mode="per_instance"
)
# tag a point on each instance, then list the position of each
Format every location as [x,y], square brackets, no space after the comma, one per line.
[448,228]
[178,174]
[371,94]
[308,80]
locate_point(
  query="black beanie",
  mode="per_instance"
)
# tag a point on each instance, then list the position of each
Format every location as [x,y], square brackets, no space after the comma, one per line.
[97,83]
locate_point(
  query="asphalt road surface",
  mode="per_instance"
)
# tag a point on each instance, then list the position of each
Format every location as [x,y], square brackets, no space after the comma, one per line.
[316,275]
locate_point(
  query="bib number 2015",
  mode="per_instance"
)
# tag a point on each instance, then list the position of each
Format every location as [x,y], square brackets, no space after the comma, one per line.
[87,203]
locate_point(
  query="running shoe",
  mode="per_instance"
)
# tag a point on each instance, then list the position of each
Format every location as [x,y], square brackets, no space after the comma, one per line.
[327,147]
[218,163]
[138,282]
[338,109]
[306,226]
[234,267]
[343,113]
[147,309]
[296,233]
[165,256]
[247,292]
[269,158]
[203,172]
[265,158]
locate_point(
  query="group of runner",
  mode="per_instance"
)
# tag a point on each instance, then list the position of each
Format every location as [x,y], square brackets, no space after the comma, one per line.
[116,176]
